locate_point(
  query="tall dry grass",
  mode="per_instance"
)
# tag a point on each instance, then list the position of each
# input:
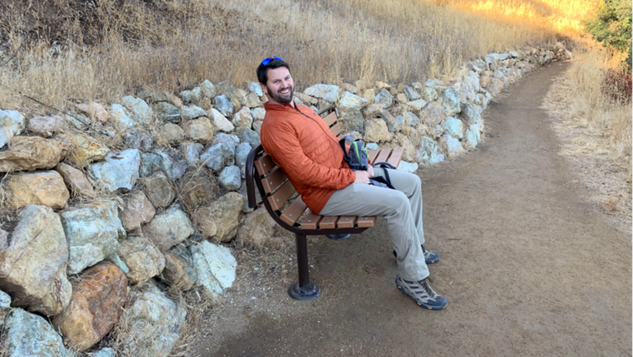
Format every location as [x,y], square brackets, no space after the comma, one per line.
[100,50]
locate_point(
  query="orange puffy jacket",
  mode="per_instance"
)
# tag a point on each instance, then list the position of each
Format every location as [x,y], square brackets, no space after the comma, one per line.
[301,144]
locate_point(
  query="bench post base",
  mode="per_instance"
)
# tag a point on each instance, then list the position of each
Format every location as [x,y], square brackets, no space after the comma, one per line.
[304,289]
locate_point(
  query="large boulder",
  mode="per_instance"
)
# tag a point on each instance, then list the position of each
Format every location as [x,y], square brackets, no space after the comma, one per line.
[219,121]
[220,220]
[257,229]
[329,93]
[152,323]
[180,271]
[376,131]
[142,258]
[83,149]
[75,180]
[215,265]
[119,172]
[11,124]
[33,264]
[95,306]
[93,231]
[31,153]
[351,102]
[137,211]
[31,335]
[44,188]
[169,228]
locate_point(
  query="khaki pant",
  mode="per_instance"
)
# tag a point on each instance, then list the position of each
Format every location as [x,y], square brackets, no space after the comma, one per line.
[402,209]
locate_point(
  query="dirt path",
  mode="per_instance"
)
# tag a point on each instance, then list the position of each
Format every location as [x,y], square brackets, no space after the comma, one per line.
[527,267]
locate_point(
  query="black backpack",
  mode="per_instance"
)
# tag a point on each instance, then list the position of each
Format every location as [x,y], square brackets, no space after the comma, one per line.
[356,158]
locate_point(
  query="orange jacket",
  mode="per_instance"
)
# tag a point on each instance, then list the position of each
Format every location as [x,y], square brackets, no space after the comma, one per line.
[301,144]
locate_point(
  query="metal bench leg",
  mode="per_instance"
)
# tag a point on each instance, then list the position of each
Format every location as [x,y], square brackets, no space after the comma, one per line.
[304,289]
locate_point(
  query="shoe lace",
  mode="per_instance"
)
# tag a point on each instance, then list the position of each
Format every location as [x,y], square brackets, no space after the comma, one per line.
[427,288]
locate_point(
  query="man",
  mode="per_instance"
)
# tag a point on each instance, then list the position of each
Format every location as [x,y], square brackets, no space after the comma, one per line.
[301,144]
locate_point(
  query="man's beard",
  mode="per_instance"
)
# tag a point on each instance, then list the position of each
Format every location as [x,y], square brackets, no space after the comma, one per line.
[279,98]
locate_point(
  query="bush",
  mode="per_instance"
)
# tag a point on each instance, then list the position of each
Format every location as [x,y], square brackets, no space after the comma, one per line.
[612,26]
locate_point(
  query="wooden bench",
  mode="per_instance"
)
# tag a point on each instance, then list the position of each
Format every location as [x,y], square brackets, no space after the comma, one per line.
[290,212]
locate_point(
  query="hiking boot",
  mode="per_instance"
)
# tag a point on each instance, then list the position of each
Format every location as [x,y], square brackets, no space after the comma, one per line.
[430,256]
[421,293]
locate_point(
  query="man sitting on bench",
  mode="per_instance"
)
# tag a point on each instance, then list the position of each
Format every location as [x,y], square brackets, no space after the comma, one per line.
[301,144]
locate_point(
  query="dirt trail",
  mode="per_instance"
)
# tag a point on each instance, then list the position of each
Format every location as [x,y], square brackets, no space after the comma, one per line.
[527,266]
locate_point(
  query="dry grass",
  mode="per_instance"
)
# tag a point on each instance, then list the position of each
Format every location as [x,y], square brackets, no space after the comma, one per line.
[87,52]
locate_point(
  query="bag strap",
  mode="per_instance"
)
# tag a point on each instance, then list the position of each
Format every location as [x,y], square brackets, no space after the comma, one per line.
[385,165]
[342,143]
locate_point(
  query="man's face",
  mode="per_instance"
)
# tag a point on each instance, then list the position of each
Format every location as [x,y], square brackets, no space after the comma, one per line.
[280,86]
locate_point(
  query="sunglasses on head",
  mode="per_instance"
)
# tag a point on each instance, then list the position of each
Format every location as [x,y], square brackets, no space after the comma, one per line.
[268,60]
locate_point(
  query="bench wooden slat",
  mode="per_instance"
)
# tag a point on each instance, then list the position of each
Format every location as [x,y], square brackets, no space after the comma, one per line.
[282,195]
[372,155]
[292,213]
[336,130]
[346,222]
[264,165]
[328,222]
[396,155]
[383,155]
[330,119]
[274,180]
[366,221]
[311,221]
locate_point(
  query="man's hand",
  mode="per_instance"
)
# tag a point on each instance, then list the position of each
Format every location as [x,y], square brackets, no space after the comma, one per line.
[370,171]
[361,177]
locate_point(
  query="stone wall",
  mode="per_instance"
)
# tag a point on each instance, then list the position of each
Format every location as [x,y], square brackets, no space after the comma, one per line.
[122,196]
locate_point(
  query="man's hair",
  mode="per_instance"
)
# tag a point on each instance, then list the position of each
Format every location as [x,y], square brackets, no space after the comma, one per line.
[262,71]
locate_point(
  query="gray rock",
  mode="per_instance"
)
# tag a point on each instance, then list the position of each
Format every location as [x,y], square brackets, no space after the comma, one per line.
[172,133]
[191,96]
[215,265]
[167,112]
[411,93]
[93,231]
[416,105]
[454,127]
[225,88]
[104,352]
[223,105]
[119,171]
[159,189]
[142,257]
[258,113]
[241,154]
[116,260]
[352,121]
[470,113]
[169,228]
[243,118]
[453,147]
[372,146]
[139,139]
[434,83]
[137,106]
[471,137]
[31,335]
[429,94]
[451,102]
[191,112]
[409,167]
[11,124]
[149,163]
[429,152]
[207,89]
[220,123]
[256,88]
[411,119]
[218,156]
[384,98]
[153,96]
[152,322]
[33,264]
[329,93]
[5,305]
[191,151]
[393,124]
[173,163]
[249,136]
[120,117]
[351,102]
[230,178]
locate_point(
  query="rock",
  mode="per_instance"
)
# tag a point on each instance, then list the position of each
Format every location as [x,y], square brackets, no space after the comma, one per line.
[93,111]
[218,156]
[169,228]
[172,163]
[326,92]
[104,352]
[223,105]
[256,88]
[95,306]
[207,89]
[141,111]
[410,119]
[220,219]
[409,167]
[44,188]
[248,136]
[159,189]
[240,96]
[401,98]
[220,123]
[470,113]
[453,146]
[137,211]
[484,79]
[451,102]
[392,123]
[369,95]
[172,133]
[150,163]
[257,126]
[384,98]
[5,304]
[152,323]
[243,118]
[215,265]
[31,335]
[92,231]
[429,94]
[200,130]
[142,257]
[404,142]
[198,188]
[83,149]
[258,113]
[75,180]
[116,260]
[241,154]
[252,101]
[180,271]
[191,96]
[376,131]
[351,102]
[119,172]
[11,124]
[190,112]
[33,264]
[495,87]
[257,229]
[373,110]
[429,152]
[471,137]
[416,105]
[139,139]
[306,99]
[454,127]
[153,96]
[352,121]
[46,125]
[120,117]
[32,152]
[166,112]
[230,178]
[191,151]
[432,114]
[258,198]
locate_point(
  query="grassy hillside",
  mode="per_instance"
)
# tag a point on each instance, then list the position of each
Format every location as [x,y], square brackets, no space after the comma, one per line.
[83,50]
